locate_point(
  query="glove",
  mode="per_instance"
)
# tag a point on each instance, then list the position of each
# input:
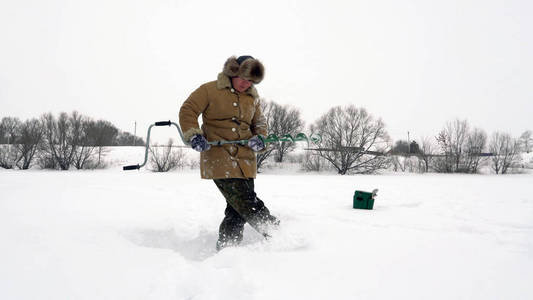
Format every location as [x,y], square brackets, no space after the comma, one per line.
[199,143]
[256,143]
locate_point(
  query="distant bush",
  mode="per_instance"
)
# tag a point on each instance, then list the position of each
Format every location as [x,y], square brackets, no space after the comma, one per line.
[506,152]
[312,162]
[461,148]
[166,158]
[194,163]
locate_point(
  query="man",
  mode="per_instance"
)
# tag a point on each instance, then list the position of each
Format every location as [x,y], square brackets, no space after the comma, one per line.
[230,111]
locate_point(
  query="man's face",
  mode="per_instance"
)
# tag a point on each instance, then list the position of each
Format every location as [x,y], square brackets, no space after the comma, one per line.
[240,84]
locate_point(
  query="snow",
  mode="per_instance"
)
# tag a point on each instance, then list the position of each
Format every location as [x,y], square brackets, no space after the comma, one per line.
[110,234]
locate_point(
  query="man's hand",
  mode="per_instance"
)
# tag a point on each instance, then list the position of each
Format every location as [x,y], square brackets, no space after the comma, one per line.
[256,143]
[199,143]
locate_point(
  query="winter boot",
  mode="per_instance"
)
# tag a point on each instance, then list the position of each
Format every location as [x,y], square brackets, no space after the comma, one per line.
[231,229]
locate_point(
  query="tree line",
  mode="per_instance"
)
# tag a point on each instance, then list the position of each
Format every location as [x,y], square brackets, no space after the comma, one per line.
[59,142]
[353,142]
[461,148]
[348,135]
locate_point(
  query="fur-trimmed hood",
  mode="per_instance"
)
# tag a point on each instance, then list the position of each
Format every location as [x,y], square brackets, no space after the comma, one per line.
[250,69]
[223,81]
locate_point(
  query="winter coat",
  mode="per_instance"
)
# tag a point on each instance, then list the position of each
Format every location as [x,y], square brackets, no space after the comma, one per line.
[227,115]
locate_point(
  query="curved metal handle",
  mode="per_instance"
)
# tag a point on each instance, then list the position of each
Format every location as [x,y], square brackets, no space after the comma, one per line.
[147,147]
[163,123]
[132,167]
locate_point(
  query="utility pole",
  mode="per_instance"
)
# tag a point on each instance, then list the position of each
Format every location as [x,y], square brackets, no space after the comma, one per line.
[135,134]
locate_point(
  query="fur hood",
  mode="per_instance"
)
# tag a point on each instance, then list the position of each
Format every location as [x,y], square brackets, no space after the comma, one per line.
[250,69]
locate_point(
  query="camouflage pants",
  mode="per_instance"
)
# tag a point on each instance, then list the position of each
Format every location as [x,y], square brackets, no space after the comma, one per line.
[242,206]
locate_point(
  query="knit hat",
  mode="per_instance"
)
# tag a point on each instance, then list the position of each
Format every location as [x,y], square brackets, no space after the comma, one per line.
[246,67]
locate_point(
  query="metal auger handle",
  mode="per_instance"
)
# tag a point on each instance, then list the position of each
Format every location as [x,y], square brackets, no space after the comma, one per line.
[163,123]
[132,167]
[160,123]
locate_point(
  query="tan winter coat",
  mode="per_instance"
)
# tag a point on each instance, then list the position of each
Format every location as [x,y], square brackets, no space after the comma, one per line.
[226,115]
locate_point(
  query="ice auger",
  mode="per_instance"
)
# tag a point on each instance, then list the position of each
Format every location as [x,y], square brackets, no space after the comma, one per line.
[271,138]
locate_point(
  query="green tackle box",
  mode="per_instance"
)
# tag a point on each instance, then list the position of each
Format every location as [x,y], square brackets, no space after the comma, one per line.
[364,200]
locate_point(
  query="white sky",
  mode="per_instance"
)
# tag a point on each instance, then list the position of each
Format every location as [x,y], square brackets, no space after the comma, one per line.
[415,64]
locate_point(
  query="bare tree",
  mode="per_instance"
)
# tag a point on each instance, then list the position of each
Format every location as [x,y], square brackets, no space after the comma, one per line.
[457,154]
[29,139]
[101,134]
[526,141]
[456,133]
[284,120]
[8,134]
[281,120]
[8,156]
[164,158]
[266,108]
[3,133]
[85,150]
[427,151]
[44,158]
[475,145]
[62,137]
[462,148]
[312,162]
[348,134]
[506,152]
[9,127]
[443,163]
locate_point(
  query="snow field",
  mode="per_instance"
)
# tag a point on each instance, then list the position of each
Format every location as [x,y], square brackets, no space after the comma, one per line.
[109,234]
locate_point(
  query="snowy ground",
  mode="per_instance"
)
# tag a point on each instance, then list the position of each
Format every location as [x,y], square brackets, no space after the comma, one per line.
[109,234]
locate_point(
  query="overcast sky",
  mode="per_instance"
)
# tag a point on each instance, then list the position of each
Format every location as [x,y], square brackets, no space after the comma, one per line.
[415,64]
